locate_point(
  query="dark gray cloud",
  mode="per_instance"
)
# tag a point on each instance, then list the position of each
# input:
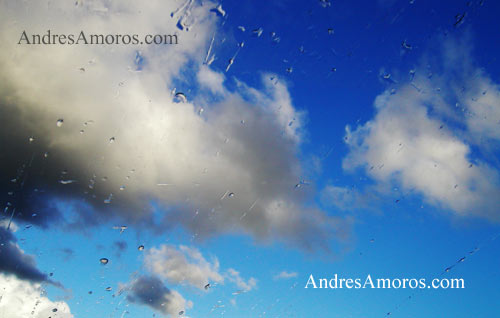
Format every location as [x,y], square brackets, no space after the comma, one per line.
[14,261]
[68,253]
[119,247]
[150,291]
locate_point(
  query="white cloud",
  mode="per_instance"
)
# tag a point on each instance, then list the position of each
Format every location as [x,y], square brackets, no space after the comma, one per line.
[185,265]
[211,79]
[180,266]
[244,285]
[415,140]
[285,275]
[483,104]
[20,299]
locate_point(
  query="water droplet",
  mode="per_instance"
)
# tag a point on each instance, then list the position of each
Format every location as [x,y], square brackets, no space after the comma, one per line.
[230,62]
[104,261]
[67,181]
[108,288]
[219,11]
[258,32]
[405,45]
[231,195]
[141,248]
[207,286]
[289,70]
[412,75]
[180,98]
[54,310]
[111,140]
[46,154]
[121,228]
[31,139]
[122,188]
[108,200]
[241,28]
[181,312]
[59,122]
[325,3]
[459,19]
[331,31]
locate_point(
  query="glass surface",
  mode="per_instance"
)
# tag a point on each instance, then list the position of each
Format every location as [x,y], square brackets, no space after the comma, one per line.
[188,158]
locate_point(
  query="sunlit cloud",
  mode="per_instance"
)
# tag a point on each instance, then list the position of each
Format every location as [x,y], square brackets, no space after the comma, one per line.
[285,275]
[183,265]
[21,298]
[115,138]
[428,136]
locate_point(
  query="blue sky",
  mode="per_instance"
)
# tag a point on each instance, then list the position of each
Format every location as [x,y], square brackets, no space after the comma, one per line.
[348,138]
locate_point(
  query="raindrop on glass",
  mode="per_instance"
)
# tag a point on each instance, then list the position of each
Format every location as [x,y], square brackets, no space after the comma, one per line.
[459,19]
[67,181]
[258,32]
[180,98]
[108,200]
